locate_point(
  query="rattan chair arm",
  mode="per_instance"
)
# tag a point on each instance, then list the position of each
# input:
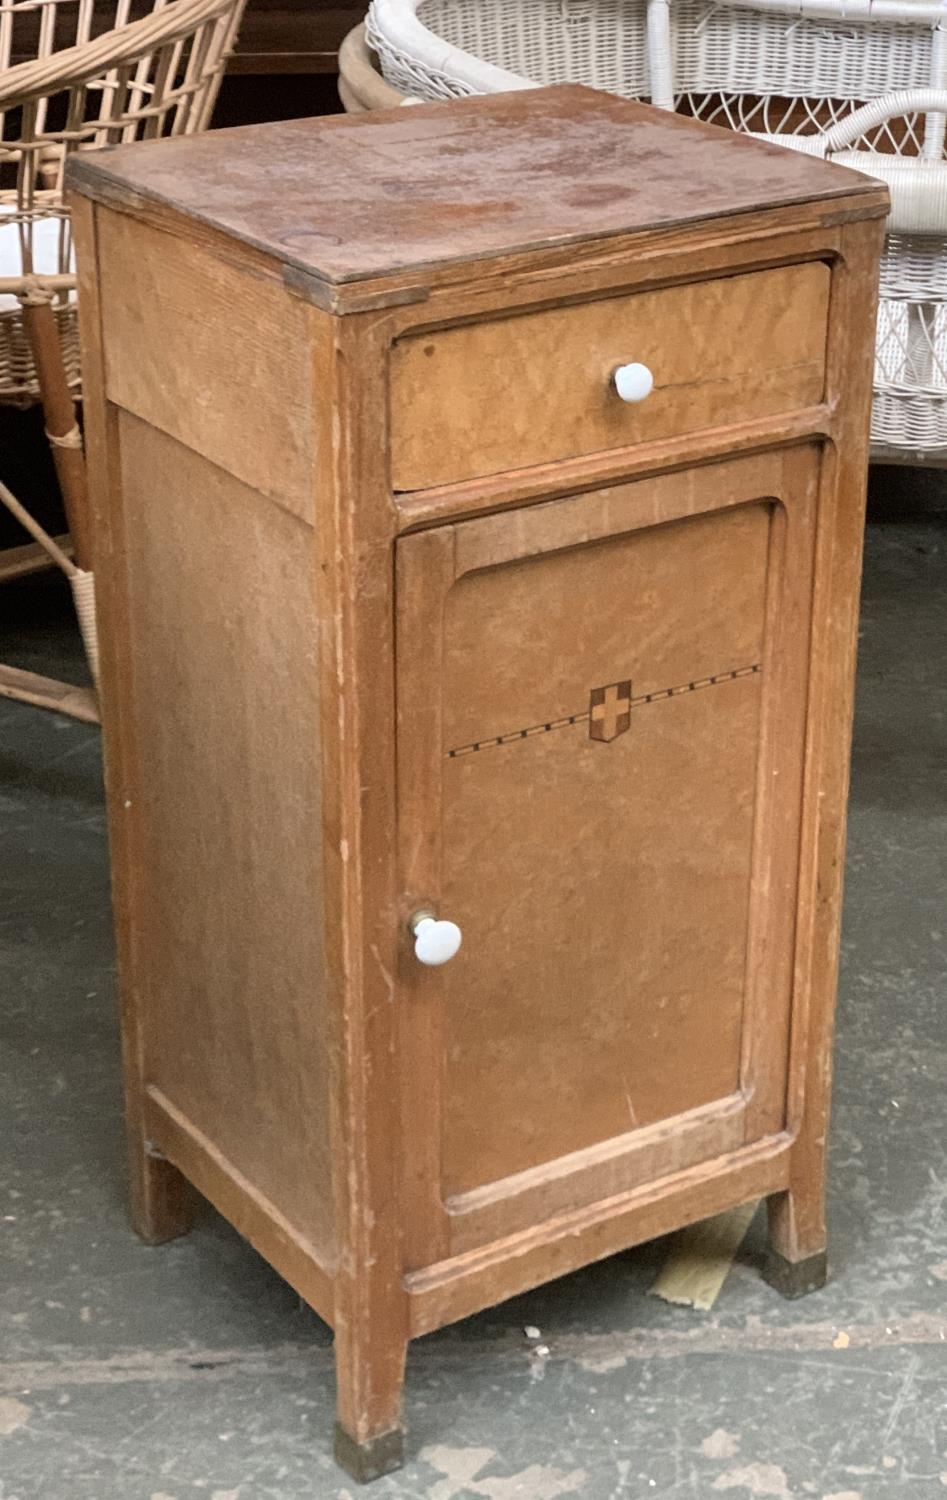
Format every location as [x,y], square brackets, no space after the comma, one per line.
[47,286]
[475,75]
[364,82]
[885,107]
[74,66]
[917,184]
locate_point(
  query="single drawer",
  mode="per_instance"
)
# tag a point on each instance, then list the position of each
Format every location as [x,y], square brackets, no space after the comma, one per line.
[538,387]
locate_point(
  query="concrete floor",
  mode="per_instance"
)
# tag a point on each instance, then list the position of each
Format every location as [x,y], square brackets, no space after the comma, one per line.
[192,1370]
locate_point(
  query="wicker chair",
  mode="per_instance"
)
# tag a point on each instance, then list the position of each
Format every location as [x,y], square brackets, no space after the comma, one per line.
[864,83]
[77,75]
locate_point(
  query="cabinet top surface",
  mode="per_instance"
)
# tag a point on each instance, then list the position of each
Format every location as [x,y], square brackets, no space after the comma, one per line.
[349,197]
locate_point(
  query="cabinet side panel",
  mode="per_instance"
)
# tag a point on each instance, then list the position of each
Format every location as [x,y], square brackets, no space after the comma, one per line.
[182,326]
[224,694]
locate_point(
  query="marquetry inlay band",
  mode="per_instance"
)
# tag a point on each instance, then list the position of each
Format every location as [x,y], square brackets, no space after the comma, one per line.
[607,707]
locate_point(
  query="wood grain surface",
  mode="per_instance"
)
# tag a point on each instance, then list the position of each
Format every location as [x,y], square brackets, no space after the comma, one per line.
[222,640]
[618,894]
[170,370]
[538,388]
[364,196]
[605,886]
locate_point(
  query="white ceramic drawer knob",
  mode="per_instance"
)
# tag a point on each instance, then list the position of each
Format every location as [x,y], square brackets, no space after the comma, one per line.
[633,382]
[435,942]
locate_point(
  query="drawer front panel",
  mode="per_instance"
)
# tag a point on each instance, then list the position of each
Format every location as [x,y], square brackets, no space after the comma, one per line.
[537,388]
[602,704]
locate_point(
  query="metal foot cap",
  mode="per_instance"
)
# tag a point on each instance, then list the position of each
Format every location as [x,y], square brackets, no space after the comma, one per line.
[366,1461]
[795,1278]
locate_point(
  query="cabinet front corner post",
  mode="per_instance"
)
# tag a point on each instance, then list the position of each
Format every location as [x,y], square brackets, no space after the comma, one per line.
[355,613]
[797,1224]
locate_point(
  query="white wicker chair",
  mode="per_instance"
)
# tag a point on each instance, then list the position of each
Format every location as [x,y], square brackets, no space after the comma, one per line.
[76,75]
[862,82]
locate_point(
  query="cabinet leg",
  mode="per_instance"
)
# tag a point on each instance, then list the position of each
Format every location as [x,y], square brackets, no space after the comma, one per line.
[162,1201]
[369,1435]
[796,1263]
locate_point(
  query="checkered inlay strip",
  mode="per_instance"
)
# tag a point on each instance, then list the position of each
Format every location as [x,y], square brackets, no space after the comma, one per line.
[583,718]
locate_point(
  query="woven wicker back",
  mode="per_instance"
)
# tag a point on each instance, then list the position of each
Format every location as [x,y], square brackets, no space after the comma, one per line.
[78,75]
[765,67]
[602,43]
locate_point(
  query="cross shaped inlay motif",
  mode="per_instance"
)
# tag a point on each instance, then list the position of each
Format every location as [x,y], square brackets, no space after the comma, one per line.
[610,711]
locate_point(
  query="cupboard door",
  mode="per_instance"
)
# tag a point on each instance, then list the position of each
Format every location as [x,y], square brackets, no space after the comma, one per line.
[601,726]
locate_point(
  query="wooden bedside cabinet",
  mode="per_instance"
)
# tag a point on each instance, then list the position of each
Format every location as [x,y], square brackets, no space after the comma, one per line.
[479,496]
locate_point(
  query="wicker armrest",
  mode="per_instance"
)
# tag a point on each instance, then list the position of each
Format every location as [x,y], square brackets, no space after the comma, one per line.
[917,183]
[363,81]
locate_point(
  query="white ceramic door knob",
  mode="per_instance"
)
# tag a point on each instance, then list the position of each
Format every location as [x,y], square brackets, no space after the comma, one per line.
[633,382]
[435,942]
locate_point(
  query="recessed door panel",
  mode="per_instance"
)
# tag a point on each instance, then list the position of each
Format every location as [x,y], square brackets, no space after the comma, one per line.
[595,704]
[600,852]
